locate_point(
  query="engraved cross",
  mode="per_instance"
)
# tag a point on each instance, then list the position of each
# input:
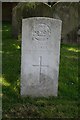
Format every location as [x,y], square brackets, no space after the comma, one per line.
[40,65]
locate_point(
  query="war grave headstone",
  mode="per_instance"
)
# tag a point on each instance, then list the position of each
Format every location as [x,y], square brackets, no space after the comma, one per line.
[40,57]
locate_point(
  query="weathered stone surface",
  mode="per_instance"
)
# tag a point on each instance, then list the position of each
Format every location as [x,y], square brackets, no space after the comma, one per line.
[40,56]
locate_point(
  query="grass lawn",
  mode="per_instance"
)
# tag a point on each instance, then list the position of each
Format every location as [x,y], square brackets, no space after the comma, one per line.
[15,106]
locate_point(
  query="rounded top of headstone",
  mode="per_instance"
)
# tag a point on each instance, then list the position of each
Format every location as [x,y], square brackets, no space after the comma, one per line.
[41,18]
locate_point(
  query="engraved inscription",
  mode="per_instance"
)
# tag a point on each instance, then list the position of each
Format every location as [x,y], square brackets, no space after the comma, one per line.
[41,32]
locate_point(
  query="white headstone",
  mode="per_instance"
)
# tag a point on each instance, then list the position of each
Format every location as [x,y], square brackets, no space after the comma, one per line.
[40,56]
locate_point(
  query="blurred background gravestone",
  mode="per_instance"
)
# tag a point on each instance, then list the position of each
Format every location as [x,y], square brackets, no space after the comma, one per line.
[68,12]
[26,10]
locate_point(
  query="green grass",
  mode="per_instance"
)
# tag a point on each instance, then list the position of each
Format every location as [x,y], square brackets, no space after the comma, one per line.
[15,106]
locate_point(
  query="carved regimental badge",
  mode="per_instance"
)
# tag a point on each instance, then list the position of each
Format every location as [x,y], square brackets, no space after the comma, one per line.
[41,32]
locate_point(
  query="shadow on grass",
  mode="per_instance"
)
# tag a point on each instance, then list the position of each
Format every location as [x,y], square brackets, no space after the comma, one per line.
[10,64]
[68,75]
[15,105]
